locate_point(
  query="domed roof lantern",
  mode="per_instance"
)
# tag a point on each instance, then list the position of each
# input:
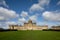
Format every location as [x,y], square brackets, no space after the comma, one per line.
[30,21]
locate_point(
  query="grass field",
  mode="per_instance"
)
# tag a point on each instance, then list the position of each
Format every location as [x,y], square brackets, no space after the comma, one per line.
[30,35]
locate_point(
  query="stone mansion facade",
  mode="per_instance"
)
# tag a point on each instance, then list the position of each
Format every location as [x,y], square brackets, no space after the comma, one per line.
[28,26]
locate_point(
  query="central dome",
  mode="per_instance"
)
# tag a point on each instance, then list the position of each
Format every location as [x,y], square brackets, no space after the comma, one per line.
[30,21]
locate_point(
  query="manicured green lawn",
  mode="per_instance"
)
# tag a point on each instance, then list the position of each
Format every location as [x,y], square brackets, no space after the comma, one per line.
[30,35]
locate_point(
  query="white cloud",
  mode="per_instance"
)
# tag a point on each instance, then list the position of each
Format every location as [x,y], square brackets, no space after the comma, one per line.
[3,25]
[33,17]
[22,20]
[11,23]
[43,2]
[36,7]
[0,24]
[39,6]
[54,16]
[42,23]
[24,14]
[7,14]
[58,3]
[6,24]
[2,18]
[3,2]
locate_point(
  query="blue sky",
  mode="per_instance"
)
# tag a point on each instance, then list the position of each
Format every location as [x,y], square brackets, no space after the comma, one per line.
[43,12]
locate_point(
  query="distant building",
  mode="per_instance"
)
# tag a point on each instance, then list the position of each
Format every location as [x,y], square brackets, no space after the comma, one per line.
[56,27]
[28,26]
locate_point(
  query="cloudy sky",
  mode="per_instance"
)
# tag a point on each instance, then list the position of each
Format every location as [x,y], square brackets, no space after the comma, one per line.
[43,12]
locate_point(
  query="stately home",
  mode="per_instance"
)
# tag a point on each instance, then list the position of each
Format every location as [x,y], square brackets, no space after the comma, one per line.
[56,27]
[28,26]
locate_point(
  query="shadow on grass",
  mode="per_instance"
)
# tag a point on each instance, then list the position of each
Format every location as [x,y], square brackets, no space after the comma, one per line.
[5,30]
[51,30]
